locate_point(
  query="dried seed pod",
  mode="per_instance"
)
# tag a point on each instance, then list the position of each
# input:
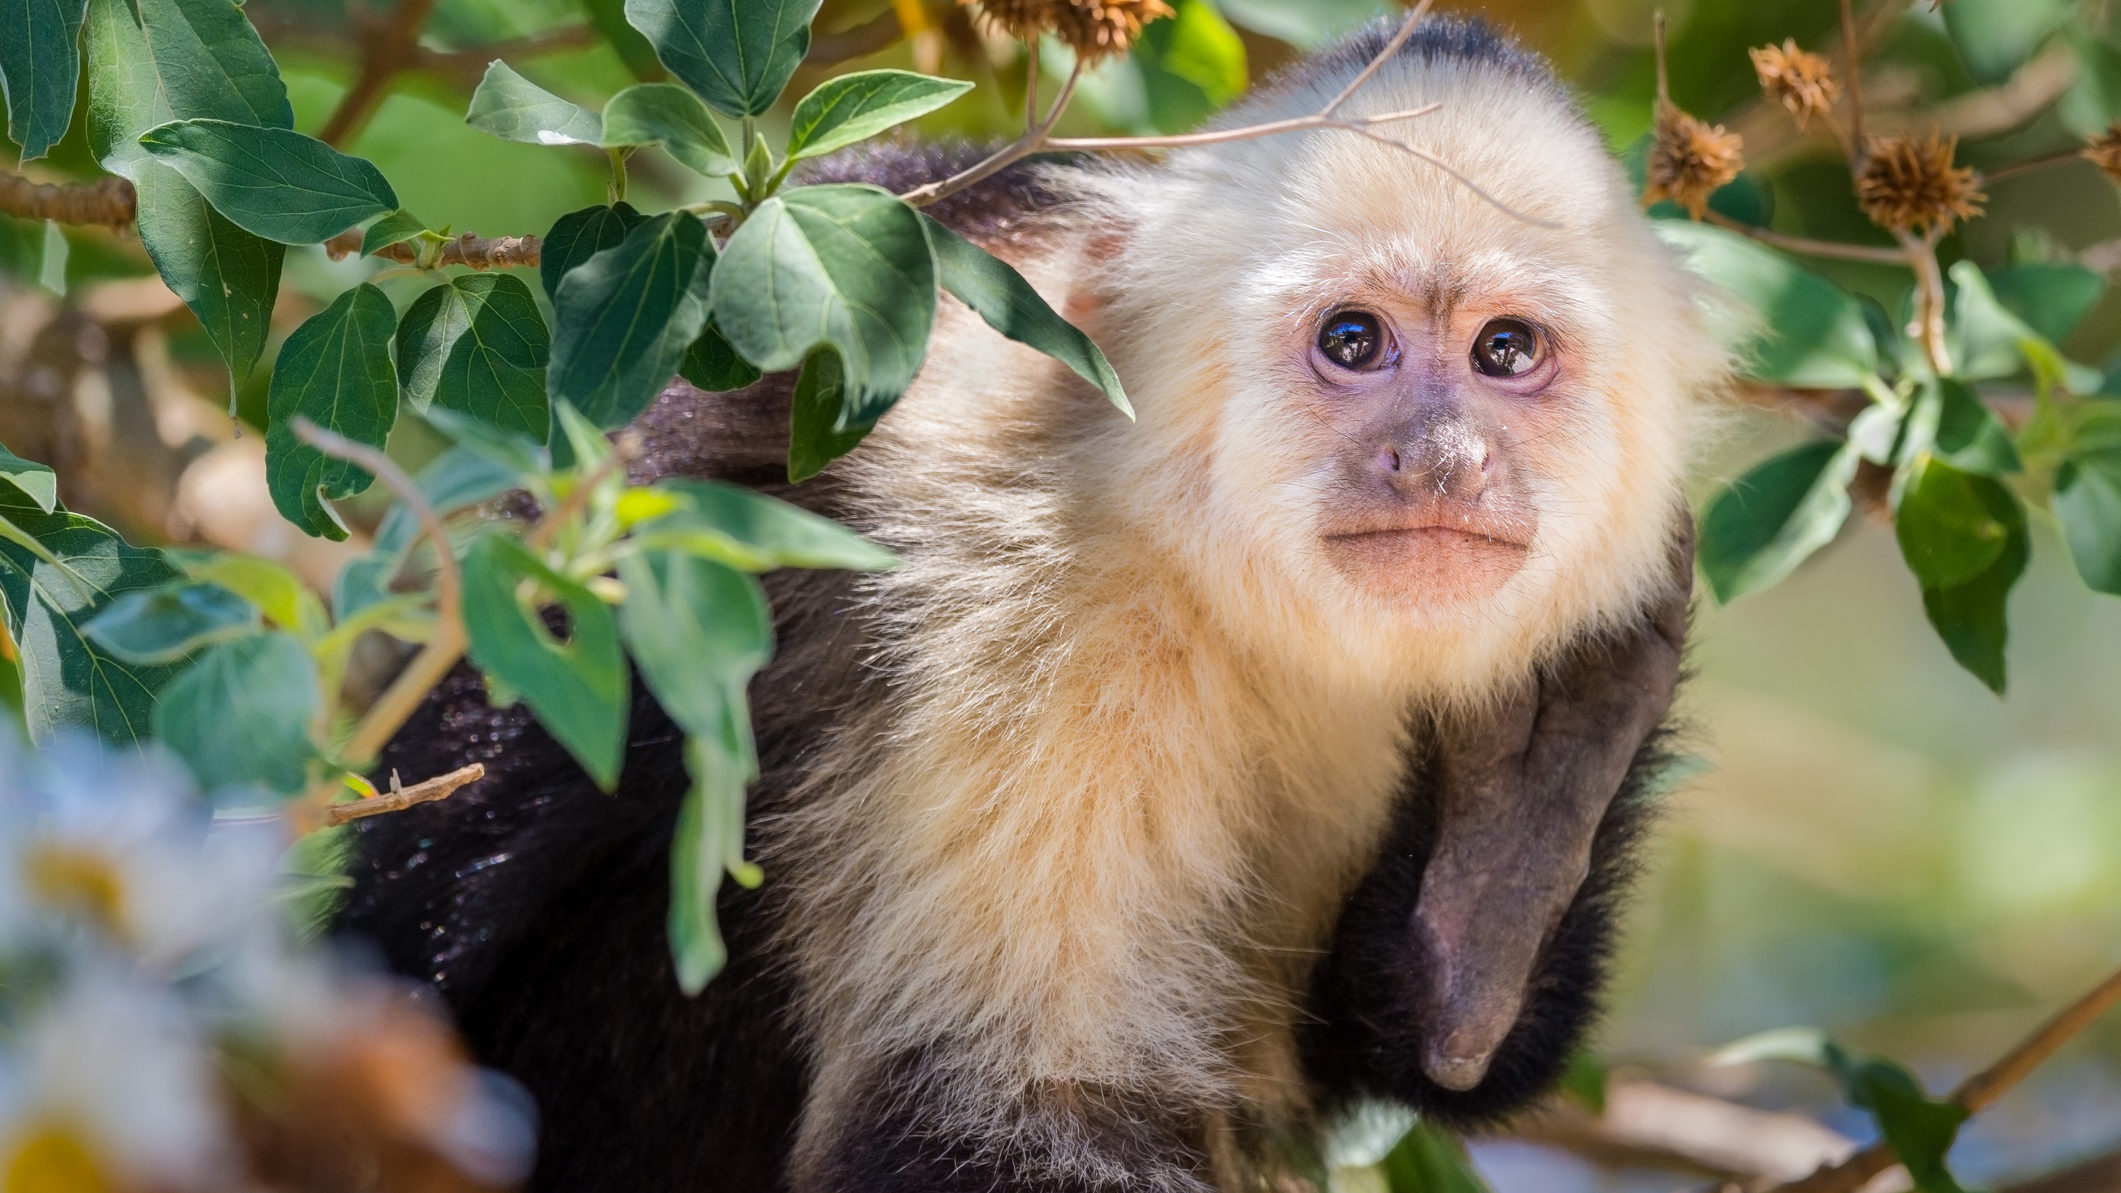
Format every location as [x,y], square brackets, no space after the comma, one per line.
[1689,160]
[2104,151]
[1799,79]
[1094,29]
[1908,184]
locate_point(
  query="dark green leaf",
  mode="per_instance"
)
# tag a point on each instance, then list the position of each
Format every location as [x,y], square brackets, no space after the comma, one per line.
[1920,1132]
[578,687]
[735,54]
[1584,1081]
[37,482]
[746,529]
[1961,429]
[68,680]
[272,182]
[2088,504]
[396,228]
[477,343]
[162,625]
[855,107]
[845,267]
[1995,36]
[1970,617]
[623,320]
[240,715]
[580,235]
[335,371]
[1771,519]
[812,440]
[698,631]
[2051,297]
[1429,1161]
[1007,302]
[1952,524]
[1190,66]
[40,65]
[144,69]
[1807,332]
[668,115]
[513,108]
[714,366]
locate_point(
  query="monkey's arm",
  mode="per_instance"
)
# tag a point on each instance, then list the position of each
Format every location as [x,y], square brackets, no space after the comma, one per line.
[1465,966]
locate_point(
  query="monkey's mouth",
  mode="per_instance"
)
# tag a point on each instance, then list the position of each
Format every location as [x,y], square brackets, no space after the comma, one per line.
[1428,562]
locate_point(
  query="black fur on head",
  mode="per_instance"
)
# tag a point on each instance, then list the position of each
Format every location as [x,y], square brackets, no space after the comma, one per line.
[1450,39]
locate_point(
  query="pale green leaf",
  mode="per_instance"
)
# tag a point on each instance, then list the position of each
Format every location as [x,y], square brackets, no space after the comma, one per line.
[854,107]
[666,114]
[162,625]
[513,108]
[240,715]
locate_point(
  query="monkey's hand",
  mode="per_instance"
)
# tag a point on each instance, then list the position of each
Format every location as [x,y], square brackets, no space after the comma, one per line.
[1523,790]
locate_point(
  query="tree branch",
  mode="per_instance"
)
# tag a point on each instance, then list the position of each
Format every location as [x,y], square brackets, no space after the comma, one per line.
[1649,1124]
[387,46]
[476,252]
[400,798]
[107,202]
[1873,254]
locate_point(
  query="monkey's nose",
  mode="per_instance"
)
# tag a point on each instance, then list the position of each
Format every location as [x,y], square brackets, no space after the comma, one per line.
[1444,461]
[1459,1073]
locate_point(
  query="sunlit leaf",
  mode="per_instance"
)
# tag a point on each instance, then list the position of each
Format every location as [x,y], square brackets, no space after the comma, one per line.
[513,108]
[845,267]
[1805,331]
[1001,296]
[396,228]
[477,343]
[36,481]
[578,687]
[162,625]
[241,713]
[746,529]
[273,182]
[39,68]
[854,107]
[272,586]
[334,370]
[735,54]
[1771,519]
[666,114]
[1190,65]
[623,320]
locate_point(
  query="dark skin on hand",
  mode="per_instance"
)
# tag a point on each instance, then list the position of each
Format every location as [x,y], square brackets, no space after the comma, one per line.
[1523,791]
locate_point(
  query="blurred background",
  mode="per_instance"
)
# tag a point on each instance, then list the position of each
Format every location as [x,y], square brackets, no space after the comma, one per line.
[1877,846]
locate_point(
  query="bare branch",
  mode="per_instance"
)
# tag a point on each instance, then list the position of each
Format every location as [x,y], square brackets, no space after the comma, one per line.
[1002,158]
[400,798]
[1649,1124]
[386,48]
[107,202]
[1406,30]
[2099,1174]
[1874,254]
[1221,136]
[474,251]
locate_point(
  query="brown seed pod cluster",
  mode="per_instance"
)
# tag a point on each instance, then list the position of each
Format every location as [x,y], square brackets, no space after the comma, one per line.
[1908,184]
[2104,151]
[1799,79]
[1689,160]
[1094,29]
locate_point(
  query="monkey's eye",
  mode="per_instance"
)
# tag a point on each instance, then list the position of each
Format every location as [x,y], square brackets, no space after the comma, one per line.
[1353,339]
[1505,348]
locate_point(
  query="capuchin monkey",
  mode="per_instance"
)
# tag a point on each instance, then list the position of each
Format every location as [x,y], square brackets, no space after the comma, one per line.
[1193,780]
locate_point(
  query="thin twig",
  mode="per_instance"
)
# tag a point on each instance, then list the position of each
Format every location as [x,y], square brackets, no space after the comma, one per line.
[1928,329]
[2031,164]
[1222,136]
[439,787]
[1873,254]
[386,48]
[107,202]
[445,645]
[1000,159]
[1030,84]
[474,251]
[1976,1092]
[1852,47]
[1406,30]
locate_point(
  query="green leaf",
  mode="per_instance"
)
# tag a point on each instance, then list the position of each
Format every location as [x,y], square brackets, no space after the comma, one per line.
[1584,1080]
[2052,298]
[273,182]
[668,115]
[240,715]
[36,481]
[845,267]
[577,688]
[1951,420]
[712,365]
[735,54]
[1970,616]
[396,228]
[457,478]
[623,320]
[144,68]
[813,442]
[1951,524]
[2088,505]
[1771,519]
[512,451]
[1807,332]
[1994,37]
[1001,296]
[698,631]
[513,108]
[608,18]
[272,586]
[1305,24]
[335,371]
[76,569]
[855,107]
[1919,1131]
[39,69]
[162,625]
[1428,1161]
[1989,340]
[477,343]
[580,235]
[1190,66]
[746,529]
